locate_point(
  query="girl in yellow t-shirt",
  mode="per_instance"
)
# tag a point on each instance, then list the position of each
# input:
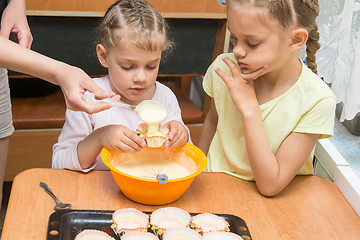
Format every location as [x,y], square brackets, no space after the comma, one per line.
[268,108]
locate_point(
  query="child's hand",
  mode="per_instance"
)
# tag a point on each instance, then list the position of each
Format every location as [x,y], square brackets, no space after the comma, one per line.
[120,139]
[178,134]
[242,91]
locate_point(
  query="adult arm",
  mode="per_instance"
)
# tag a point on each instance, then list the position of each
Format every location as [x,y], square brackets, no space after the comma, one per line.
[73,81]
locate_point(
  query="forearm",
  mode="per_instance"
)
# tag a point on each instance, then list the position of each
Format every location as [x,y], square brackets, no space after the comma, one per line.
[264,163]
[88,149]
[209,128]
[17,58]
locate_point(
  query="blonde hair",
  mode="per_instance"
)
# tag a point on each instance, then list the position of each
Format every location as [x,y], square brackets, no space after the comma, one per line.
[136,21]
[301,13]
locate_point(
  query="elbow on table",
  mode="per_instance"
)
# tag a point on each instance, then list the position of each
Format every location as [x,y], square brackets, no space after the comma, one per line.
[267,191]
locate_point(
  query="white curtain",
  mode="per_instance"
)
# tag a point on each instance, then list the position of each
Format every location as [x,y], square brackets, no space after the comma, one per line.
[338,58]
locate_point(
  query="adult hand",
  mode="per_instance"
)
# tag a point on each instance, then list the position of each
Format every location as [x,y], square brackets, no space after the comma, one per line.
[74,83]
[14,21]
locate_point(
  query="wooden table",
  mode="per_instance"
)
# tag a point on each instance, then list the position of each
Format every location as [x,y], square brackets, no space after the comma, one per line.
[309,208]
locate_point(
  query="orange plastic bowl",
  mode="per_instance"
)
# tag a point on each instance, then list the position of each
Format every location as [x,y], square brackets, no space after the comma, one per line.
[148,191]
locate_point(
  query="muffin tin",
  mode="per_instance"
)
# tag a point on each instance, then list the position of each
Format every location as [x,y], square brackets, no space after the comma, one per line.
[66,224]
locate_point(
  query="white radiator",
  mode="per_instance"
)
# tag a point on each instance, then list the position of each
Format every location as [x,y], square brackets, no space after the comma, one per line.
[330,164]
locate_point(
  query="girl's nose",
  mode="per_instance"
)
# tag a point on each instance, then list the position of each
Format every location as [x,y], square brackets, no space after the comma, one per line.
[239,51]
[140,75]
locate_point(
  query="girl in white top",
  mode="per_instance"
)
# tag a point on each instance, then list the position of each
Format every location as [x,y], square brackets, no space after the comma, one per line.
[268,109]
[132,38]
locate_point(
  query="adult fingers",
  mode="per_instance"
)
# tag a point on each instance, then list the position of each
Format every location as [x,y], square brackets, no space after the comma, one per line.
[25,38]
[5,30]
[75,102]
[99,92]
[90,108]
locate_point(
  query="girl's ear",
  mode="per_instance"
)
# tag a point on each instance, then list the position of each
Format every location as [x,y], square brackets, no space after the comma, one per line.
[101,54]
[298,38]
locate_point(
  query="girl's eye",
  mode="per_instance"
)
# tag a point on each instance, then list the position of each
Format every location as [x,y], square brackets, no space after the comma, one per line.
[151,67]
[253,45]
[127,68]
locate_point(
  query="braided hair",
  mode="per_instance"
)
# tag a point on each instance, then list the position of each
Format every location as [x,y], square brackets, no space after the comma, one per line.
[312,44]
[302,13]
[136,21]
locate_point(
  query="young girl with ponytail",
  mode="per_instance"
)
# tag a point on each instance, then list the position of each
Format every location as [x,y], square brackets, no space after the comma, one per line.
[268,108]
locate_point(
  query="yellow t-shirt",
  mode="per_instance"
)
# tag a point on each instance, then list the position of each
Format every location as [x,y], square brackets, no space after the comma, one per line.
[307,107]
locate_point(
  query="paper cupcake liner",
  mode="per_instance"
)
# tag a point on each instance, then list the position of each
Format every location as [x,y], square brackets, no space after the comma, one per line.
[129,219]
[93,234]
[139,236]
[181,233]
[207,222]
[154,140]
[168,217]
[221,235]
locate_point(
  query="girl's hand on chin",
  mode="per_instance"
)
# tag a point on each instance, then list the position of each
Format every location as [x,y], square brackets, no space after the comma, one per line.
[254,75]
[241,90]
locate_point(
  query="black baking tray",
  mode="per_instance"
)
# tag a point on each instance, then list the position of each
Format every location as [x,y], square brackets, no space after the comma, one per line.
[66,224]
